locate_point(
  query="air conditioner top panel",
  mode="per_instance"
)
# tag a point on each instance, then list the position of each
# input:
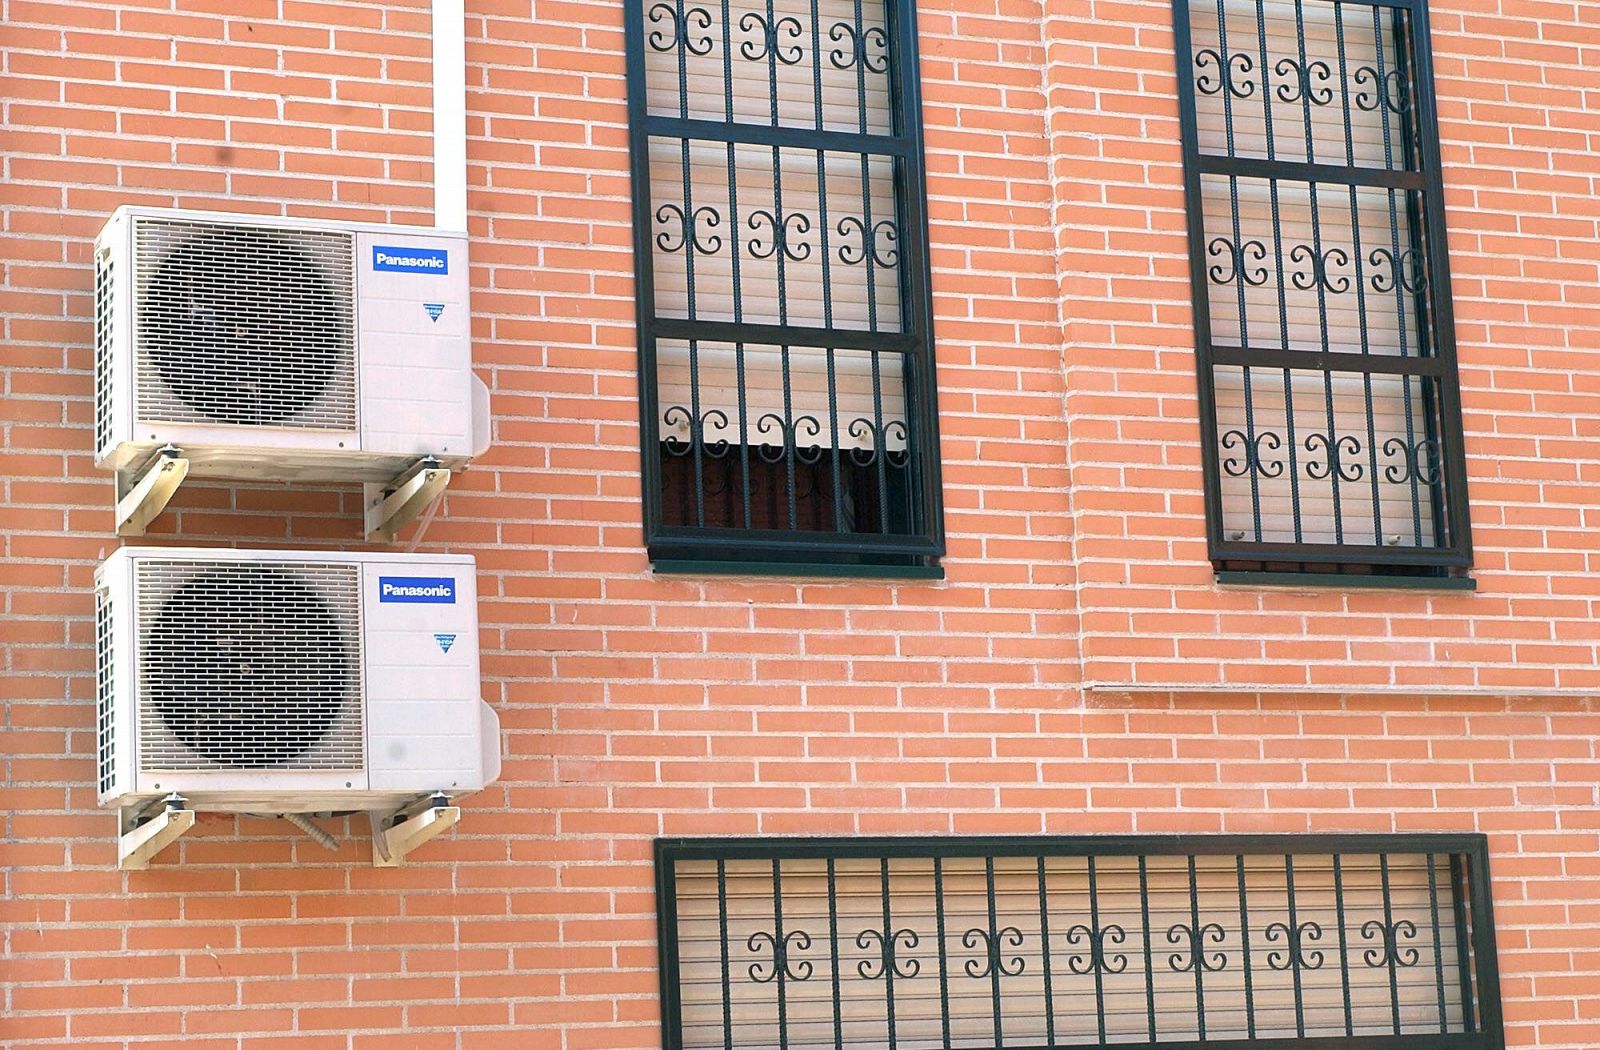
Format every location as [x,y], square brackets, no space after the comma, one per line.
[220,554]
[136,211]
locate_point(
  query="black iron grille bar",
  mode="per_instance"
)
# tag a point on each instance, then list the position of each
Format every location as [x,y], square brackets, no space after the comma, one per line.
[1344,944]
[1389,953]
[1149,966]
[1225,63]
[1044,941]
[727,974]
[1330,360]
[1361,281]
[781,957]
[1282,288]
[889,940]
[707,542]
[944,961]
[1438,942]
[787,136]
[1458,885]
[1299,171]
[1335,553]
[1244,948]
[833,948]
[778,335]
[889,909]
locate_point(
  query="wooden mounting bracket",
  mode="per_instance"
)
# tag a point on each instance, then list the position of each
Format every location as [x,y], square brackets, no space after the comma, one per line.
[391,507]
[394,835]
[142,494]
[142,839]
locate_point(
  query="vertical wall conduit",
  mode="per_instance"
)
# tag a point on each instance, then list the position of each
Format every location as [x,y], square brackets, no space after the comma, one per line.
[449,115]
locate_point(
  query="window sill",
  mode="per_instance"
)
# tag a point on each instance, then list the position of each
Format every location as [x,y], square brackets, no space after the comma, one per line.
[1329,581]
[698,567]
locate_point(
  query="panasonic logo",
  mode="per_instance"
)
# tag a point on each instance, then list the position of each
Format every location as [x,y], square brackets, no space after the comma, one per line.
[410,260]
[429,590]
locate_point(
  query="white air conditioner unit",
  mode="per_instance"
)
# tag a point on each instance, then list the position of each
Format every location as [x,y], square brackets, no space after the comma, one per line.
[282,349]
[288,682]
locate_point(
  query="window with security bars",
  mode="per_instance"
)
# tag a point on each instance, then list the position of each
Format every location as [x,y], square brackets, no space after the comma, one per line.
[1361,942]
[1330,415]
[786,370]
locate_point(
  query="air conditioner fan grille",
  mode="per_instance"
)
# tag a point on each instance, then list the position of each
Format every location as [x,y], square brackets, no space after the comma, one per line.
[245,325]
[249,665]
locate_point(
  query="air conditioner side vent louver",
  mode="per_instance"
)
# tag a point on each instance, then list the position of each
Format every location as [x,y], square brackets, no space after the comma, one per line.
[245,325]
[250,666]
[105,692]
[104,293]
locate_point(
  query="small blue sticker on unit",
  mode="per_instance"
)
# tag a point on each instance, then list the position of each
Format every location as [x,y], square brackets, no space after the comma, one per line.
[423,590]
[410,260]
[445,641]
[434,310]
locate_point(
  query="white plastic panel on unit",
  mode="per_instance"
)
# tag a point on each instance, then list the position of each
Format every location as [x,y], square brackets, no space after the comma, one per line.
[422,676]
[415,338]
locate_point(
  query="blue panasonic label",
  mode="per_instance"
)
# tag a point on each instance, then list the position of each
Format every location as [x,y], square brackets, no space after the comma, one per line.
[410,260]
[423,590]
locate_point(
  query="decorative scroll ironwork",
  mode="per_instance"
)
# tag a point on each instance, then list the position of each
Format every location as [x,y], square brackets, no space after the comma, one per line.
[681,26]
[1253,462]
[889,960]
[1215,74]
[1097,958]
[869,47]
[1388,89]
[1296,952]
[1409,270]
[1194,952]
[1236,254]
[712,243]
[782,952]
[993,960]
[1389,951]
[769,36]
[1419,461]
[1320,264]
[784,234]
[771,234]
[1367,950]
[1304,80]
[1336,450]
[878,242]
[1404,462]
[890,440]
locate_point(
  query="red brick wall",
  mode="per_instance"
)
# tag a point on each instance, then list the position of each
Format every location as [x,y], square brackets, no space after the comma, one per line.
[637,706]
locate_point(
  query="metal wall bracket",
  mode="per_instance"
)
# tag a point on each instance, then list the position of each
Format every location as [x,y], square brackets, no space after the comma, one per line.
[394,835]
[142,838]
[392,506]
[144,492]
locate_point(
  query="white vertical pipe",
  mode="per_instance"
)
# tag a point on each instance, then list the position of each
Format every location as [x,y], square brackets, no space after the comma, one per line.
[449,114]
